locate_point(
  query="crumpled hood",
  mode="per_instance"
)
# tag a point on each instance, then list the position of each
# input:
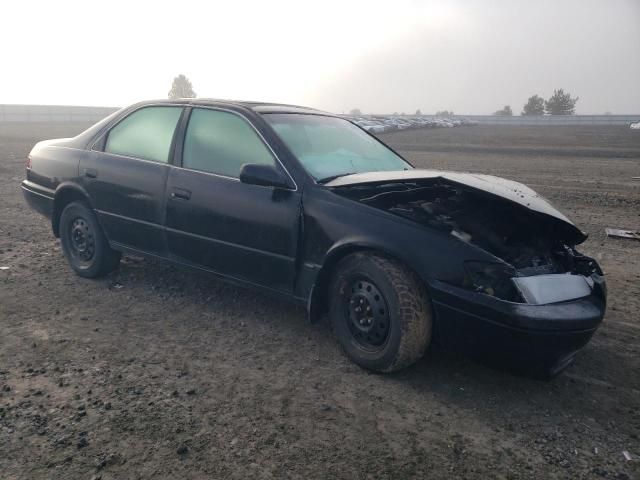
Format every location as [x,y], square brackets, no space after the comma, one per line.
[500,187]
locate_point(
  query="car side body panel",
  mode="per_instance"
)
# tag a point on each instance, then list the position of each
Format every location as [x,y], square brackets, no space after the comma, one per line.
[243,231]
[127,195]
[52,163]
[288,241]
[53,172]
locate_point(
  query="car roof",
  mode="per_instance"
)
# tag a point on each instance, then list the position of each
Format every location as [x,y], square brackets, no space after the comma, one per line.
[258,107]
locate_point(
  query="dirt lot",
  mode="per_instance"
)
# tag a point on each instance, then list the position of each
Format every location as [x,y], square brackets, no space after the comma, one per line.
[160,373]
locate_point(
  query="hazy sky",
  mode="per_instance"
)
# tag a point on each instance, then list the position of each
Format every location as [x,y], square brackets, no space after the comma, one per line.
[381,56]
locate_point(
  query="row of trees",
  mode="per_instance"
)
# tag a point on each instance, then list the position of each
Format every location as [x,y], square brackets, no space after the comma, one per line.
[560,103]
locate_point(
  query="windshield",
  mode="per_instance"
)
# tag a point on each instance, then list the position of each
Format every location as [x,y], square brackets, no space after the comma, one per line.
[330,147]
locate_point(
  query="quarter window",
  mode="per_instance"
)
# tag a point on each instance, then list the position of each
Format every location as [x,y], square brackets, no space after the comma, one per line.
[146,133]
[221,143]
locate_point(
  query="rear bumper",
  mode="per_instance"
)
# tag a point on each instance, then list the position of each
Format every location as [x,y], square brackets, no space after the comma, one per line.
[537,340]
[38,198]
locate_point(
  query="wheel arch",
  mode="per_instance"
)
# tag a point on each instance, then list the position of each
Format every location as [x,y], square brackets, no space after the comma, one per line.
[317,303]
[66,193]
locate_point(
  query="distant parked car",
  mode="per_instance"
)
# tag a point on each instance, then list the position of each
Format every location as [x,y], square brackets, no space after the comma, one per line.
[467,122]
[390,124]
[371,126]
[402,124]
[635,126]
[441,122]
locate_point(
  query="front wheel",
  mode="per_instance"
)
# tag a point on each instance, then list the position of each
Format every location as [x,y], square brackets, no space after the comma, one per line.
[84,244]
[380,312]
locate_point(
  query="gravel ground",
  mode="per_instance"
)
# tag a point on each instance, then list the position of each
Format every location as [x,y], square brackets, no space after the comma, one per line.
[163,373]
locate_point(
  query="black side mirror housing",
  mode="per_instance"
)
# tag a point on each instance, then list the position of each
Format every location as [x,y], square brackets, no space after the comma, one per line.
[264,175]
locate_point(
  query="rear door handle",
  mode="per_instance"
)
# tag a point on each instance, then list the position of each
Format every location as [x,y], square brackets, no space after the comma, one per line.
[90,172]
[181,193]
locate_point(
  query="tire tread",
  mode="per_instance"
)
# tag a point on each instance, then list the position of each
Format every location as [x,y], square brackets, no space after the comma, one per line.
[416,317]
[415,314]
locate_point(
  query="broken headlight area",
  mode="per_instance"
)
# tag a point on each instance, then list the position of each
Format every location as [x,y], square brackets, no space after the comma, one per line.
[553,288]
[491,279]
[507,283]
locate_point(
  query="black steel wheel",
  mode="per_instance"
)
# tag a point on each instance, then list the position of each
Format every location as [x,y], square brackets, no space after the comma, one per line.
[368,314]
[83,242]
[83,245]
[379,312]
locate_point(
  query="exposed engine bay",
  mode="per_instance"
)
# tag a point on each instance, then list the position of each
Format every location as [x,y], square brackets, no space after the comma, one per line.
[529,242]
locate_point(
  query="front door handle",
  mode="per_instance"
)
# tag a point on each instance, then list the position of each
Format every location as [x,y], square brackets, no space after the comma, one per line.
[181,193]
[90,172]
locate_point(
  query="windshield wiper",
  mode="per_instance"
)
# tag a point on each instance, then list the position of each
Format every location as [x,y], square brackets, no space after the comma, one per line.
[333,177]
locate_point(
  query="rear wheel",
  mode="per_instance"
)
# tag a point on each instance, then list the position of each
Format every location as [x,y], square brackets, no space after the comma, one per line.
[84,244]
[380,312]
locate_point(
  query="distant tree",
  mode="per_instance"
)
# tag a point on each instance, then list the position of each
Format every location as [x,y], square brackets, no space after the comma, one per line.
[561,103]
[444,113]
[505,112]
[355,112]
[534,106]
[418,112]
[181,88]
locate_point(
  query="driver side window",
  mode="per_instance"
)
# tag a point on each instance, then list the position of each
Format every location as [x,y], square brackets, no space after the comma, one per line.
[222,142]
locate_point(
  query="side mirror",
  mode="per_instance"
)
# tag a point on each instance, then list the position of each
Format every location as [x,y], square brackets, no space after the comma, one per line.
[264,175]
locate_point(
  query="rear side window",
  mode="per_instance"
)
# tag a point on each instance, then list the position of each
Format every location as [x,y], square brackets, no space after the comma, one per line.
[221,143]
[146,133]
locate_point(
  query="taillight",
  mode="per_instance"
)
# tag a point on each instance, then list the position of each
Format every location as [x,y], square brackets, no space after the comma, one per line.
[28,162]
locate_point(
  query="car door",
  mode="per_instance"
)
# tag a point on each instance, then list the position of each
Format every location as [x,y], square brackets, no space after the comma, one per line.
[246,232]
[125,176]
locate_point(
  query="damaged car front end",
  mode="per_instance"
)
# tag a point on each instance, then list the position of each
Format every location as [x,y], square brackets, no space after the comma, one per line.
[515,291]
